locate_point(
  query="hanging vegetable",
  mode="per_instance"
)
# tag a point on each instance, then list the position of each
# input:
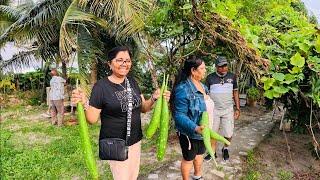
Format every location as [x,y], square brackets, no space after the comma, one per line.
[85,142]
[206,134]
[164,127]
[218,137]
[155,120]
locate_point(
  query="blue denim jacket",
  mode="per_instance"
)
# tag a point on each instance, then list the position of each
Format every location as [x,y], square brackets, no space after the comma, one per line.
[189,104]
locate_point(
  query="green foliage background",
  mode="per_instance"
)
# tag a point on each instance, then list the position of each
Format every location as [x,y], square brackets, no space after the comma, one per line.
[280,31]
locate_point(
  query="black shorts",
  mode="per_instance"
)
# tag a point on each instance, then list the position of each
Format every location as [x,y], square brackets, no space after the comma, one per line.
[197,147]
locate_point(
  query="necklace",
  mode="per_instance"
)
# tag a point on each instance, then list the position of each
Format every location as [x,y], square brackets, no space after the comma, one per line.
[125,83]
[125,86]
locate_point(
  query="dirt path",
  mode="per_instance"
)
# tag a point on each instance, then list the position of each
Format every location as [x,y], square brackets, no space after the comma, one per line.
[248,134]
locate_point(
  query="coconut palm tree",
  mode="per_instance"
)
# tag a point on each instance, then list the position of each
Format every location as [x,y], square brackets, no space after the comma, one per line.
[82,26]
[117,22]
[36,27]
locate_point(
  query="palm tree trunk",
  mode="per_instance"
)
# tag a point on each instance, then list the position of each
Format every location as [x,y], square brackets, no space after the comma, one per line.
[94,72]
[153,74]
[64,69]
[43,91]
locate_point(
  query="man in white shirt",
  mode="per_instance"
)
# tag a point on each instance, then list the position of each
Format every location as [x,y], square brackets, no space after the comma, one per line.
[223,89]
[56,96]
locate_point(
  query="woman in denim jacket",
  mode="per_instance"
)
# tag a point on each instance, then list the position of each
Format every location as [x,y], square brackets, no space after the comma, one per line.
[188,103]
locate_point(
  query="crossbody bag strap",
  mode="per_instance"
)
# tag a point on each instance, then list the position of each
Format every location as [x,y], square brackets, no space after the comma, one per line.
[129,110]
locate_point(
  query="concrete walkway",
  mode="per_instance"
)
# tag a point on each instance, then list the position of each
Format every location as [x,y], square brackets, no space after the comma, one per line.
[246,137]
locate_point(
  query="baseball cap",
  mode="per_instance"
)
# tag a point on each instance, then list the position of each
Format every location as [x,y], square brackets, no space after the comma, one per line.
[221,60]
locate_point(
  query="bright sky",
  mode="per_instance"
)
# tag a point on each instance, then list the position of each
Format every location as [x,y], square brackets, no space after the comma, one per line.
[314,7]
[9,50]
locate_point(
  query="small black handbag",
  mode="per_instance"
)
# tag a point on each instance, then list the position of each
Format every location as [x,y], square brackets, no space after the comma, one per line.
[113,149]
[116,148]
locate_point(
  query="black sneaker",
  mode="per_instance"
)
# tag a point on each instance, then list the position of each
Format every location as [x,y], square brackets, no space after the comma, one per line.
[208,157]
[225,154]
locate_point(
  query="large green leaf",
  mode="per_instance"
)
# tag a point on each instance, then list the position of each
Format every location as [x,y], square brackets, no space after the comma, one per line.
[304,47]
[295,70]
[280,89]
[268,94]
[297,60]
[276,94]
[278,76]
[293,89]
[268,82]
[271,94]
[300,76]
[289,78]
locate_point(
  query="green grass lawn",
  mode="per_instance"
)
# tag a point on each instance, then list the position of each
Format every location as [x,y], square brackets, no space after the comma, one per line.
[31,148]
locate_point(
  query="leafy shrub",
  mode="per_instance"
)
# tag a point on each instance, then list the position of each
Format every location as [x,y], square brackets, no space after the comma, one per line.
[253,93]
[6,84]
[35,98]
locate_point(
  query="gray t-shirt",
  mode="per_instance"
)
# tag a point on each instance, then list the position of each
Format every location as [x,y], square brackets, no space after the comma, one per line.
[57,88]
[221,89]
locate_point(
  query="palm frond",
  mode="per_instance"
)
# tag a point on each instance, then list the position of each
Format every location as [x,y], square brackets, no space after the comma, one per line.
[8,16]
[44,13]
[4,2]
[103,8]
[83,3]
[19,61]
[25,6]
[126,16]
[74,16]
[40,21]
[9,13]
[4,24]
[49,52]
[90,50]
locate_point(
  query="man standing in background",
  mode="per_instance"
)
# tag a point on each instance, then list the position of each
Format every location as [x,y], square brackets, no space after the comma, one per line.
[223,90]
[56,97]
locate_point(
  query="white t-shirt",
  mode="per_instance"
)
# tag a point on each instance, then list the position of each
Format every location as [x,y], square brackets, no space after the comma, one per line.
[210,108]
[57,88]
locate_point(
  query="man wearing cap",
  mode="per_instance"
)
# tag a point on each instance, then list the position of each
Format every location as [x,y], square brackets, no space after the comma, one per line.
[223,90]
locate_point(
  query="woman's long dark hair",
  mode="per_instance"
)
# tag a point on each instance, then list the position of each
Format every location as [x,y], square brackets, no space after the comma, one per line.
[184,73]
